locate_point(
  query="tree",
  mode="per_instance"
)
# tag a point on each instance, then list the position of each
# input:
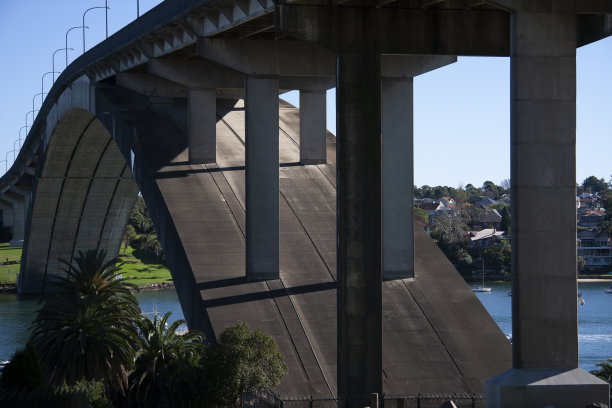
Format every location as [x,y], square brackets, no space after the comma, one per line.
[580,264]
[490,189]
[594,185]
[505,221]
[242,361]
[421,215]
[166,363]
[605,371]
[84,329]
[24,370]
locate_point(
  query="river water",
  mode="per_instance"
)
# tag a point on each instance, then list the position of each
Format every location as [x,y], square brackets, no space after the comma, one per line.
[594,317]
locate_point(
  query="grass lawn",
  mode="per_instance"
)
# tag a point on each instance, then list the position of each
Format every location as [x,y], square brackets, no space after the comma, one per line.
[8,273]
[139,267]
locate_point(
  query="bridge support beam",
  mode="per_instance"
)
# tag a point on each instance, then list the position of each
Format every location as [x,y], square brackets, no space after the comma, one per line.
[202,119]
[313,127]
[543,170]
[397,178]
[19,204]
[397,72]
[359,224]
[261,177]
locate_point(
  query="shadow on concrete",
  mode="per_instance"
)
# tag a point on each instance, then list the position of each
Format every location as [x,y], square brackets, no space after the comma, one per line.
[252,297]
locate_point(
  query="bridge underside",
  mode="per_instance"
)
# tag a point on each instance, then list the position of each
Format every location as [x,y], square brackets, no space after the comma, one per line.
[430,346]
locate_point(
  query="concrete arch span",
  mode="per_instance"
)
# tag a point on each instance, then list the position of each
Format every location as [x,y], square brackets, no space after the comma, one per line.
[82,198]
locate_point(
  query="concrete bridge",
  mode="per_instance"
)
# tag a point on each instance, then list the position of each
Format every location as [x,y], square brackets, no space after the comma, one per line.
[265,218]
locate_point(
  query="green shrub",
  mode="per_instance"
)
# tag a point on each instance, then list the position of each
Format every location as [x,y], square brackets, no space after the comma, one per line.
[24,370]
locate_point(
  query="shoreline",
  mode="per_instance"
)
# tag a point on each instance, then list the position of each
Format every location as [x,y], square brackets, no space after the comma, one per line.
[149,287]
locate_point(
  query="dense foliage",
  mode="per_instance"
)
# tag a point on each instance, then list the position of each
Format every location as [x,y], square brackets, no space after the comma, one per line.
[471,203]
[140,232]
[90,336]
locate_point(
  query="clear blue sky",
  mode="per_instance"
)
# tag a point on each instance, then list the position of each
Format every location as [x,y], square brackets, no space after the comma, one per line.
[461,111]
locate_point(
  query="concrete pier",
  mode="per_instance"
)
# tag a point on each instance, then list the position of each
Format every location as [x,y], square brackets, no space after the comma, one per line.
[397,178]
[202,121]
[543,170]
[313,126]
[359,224]
[261,177]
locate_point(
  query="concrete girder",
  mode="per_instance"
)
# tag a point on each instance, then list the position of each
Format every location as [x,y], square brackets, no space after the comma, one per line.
[5,205]
[282,58]
[23,190]
[151,85]
[13,198]
[196,73]
[404,31]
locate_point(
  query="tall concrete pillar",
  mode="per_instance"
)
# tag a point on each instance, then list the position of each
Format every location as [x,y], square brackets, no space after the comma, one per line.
[19,214]
[261,177]
[202,125]
[543,171]
[397,178]
[359,263]
[313,127]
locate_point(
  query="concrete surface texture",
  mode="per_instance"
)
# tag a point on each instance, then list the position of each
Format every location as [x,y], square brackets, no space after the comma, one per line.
[199,210]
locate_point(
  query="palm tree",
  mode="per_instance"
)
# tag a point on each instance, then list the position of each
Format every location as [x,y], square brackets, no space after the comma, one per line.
[84,328]
[166,363]
[605,371]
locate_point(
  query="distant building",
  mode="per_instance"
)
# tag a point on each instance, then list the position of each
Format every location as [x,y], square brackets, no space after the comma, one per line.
[595,248]
[490,218]
[591,218]
[486,238]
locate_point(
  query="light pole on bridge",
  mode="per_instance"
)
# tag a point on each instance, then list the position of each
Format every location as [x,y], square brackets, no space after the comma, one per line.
[23,127]
[69,30]
[42,81]
[6,158]
[41,101]
[15,149]
[84,26]
[26,119]
[53,60]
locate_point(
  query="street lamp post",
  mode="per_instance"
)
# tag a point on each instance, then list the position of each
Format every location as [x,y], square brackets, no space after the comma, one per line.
[53,60]
[83,26]
[15,150]
[6,157]
[41,101]
[23,127]
[42,81]
[106,15]
[69,30]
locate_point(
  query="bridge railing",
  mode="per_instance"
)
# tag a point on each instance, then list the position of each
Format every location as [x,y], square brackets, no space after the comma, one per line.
[268,399]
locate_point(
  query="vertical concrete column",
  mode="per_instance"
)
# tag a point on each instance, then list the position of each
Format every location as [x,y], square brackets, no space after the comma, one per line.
[359,263]
[397,178]
[261,177]
[543,171]
[313,127]
[202,119]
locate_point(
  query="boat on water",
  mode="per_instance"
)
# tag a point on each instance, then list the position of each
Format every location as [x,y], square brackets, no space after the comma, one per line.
[608,290]
[580,299]
[482,288]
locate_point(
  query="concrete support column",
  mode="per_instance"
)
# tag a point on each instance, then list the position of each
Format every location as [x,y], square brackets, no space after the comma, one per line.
[543,171]
[261,177]
[359,263]
[313,127]
[202,134]
[19,214]
[397,178]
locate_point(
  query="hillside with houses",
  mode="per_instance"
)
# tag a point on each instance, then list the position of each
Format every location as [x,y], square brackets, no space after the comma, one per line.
[472,225]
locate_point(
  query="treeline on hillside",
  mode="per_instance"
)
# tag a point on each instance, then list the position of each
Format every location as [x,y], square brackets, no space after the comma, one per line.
[472,225]
[140,232]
